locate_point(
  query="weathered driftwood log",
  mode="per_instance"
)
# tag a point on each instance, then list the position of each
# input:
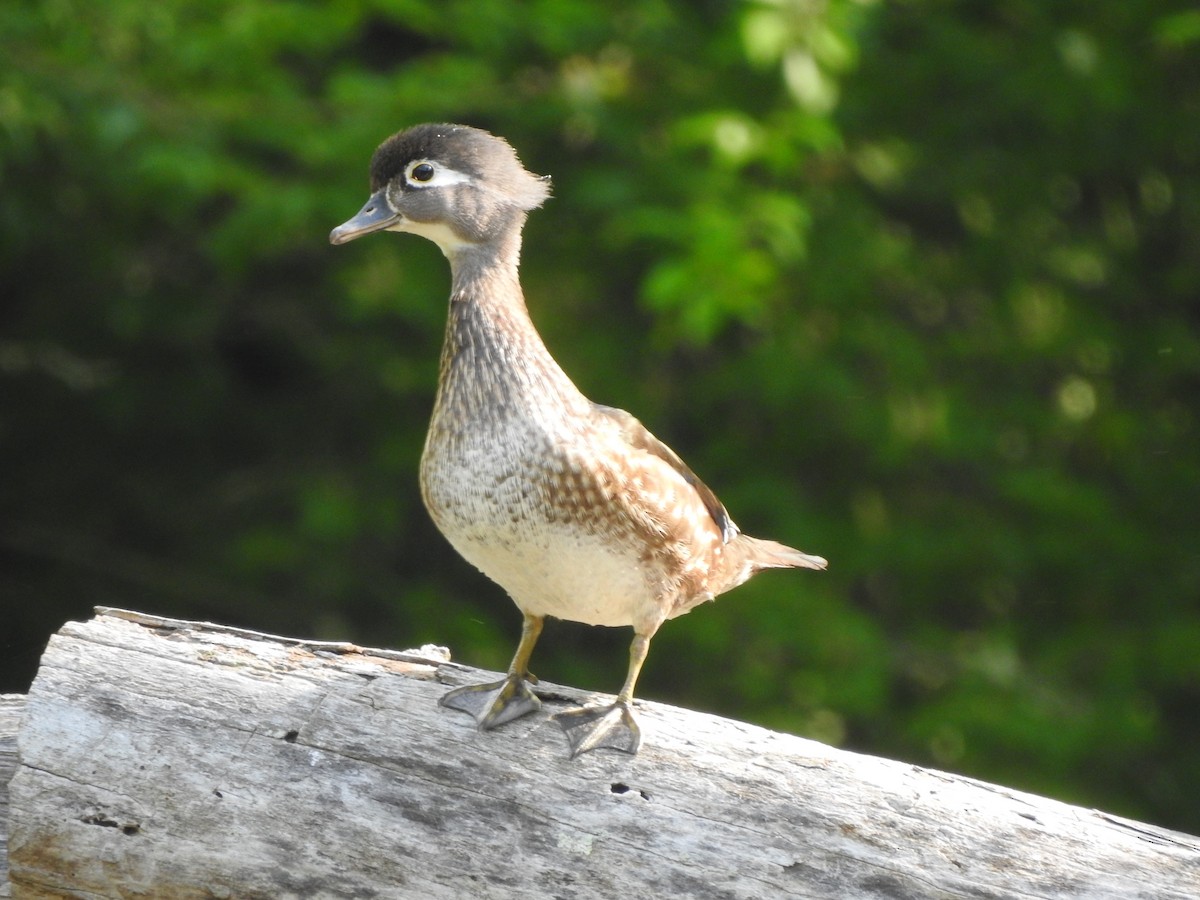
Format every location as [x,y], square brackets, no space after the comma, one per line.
[172,759]
[11,706]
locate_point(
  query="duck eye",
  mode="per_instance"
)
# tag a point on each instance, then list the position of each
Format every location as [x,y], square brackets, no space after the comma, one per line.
[423,172]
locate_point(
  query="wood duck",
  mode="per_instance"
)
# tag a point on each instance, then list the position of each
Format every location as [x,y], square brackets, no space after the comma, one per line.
[574,508]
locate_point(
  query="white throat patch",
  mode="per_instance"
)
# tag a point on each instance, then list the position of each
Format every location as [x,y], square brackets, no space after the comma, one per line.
[438,232]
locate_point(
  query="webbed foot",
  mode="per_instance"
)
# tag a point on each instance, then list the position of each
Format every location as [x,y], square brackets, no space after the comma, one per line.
[495,703]
[604,726]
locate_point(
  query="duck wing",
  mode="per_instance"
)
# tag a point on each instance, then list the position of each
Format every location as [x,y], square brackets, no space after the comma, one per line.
[637,436]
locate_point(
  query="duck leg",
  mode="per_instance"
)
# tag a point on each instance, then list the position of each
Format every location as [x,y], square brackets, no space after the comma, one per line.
[611,726]
[497,702]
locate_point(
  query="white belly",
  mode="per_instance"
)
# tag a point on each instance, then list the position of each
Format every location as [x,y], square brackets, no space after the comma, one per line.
[563,574]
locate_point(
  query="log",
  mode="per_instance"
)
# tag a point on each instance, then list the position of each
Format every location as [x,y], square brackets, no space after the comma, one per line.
[11,707]
[170,759]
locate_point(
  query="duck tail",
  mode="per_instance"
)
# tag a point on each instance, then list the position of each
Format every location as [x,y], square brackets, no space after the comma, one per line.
[774,555]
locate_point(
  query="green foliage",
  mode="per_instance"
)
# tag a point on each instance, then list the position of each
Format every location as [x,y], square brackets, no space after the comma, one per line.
[912,285]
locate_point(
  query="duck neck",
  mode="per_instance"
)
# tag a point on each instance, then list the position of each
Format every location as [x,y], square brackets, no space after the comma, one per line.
[493,359]
[486,277]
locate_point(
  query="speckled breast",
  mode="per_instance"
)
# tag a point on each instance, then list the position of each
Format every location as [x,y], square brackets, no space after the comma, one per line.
[517,503]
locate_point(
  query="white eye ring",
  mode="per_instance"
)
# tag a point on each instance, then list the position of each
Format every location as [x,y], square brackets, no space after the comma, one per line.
[424,173]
